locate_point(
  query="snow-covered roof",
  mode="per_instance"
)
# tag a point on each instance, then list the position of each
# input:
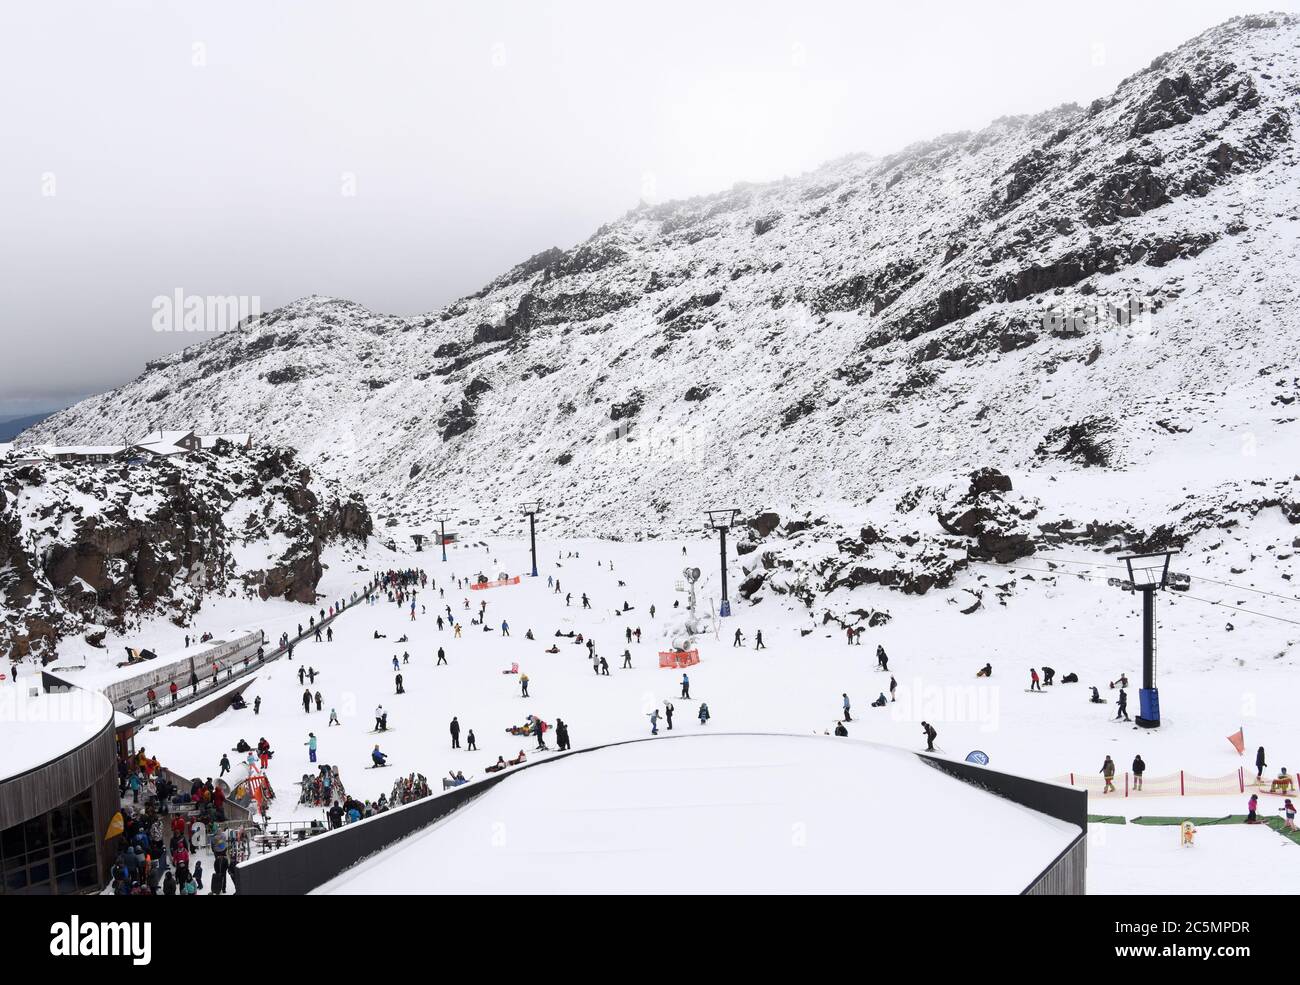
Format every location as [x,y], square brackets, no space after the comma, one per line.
[44,727]
[164,438]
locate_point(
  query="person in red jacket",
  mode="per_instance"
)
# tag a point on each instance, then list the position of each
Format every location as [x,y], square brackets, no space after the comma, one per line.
[172,688]
[1033,679]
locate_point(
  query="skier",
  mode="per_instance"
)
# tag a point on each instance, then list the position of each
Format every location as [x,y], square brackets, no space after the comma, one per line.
[334,718]
[311,746]
[455,733]
[847,716]
[1289,810]
[1122,712]
[505,628]
[704,713]
[1139,767]
[686,687]
[930,736]
[1108,771]
[380,718]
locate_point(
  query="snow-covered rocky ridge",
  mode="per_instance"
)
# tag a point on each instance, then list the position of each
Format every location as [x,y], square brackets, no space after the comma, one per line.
[85,548]
[1099,302]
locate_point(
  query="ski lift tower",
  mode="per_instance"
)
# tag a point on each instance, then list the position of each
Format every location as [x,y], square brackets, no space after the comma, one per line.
[531,510]
[722,521]
[442,533]
[1148,574]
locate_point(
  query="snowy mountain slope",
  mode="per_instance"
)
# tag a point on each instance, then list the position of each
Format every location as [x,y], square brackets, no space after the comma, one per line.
[876,326]
[85,548]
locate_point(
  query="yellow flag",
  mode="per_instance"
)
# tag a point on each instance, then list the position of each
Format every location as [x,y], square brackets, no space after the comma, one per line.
[115,826]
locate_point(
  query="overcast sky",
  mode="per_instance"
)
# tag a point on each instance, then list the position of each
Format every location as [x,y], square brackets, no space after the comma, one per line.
[401,154]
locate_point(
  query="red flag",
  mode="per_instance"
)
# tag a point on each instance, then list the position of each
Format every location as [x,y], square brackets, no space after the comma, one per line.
[1238,740]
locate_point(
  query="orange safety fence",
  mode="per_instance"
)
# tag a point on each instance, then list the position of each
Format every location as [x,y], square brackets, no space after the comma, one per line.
[1180,784]
[495,584]
[678,658]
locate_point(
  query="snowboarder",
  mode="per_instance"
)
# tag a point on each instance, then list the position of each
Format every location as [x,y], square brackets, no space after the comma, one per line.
[470,744]
[1033,680]
[704,713]
[847,716]
[668,715]
[985,671]
[1122,711]
[654,721]
[398,682]
[882,661]
[377,757]
[380,718]
[840,730]
[1048,674]
[442,656]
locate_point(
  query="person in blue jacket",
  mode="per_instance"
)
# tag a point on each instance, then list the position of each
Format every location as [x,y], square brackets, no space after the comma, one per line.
[379,758]
[704,712]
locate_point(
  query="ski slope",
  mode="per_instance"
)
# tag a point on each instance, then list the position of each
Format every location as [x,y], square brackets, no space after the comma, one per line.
[1211,681]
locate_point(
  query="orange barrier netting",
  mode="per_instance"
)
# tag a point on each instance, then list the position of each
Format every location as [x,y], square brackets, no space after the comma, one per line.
[1180,784]
[678,658]
[496,584]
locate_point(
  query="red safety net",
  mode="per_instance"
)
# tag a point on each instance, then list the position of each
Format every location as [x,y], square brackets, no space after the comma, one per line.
[678,658]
